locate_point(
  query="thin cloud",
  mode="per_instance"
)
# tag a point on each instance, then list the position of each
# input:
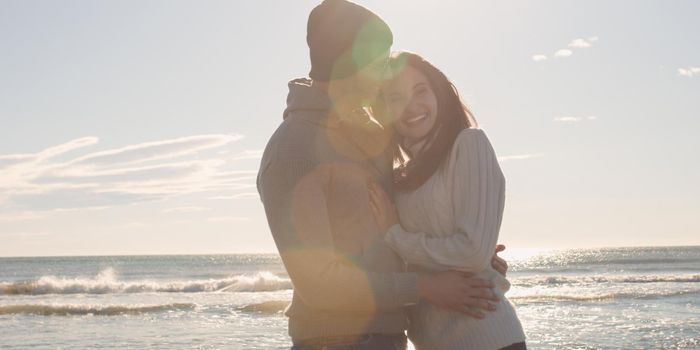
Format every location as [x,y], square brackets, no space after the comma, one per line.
[519,157]
[122,176]
[80,198]
[25,234]
[40,212]
[246,195]
[570,119]
[12,159]
[50,152]
[689,72]
[575,44]
[255,154]
[228,219]
[191,209]
[163,172]
[67,147]
[131,225]
[19,216]
[579,43]
[158,150]
[563,53]
[221,197]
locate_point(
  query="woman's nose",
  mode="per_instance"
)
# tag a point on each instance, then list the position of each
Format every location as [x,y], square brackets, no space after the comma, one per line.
[414,105]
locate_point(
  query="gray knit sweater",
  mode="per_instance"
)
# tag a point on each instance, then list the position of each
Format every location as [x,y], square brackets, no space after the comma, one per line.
[452,222]
[313,184]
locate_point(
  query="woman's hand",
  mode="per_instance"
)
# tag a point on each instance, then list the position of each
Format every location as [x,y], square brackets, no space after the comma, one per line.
[383,207]
[497,262]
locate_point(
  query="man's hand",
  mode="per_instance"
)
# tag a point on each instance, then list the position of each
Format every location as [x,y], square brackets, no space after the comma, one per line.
[459,291]
[497,262]
[383,207]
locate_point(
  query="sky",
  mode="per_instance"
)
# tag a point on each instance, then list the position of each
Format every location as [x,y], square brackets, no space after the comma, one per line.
[136,127]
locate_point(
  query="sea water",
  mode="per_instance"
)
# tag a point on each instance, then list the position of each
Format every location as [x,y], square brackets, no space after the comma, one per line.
[613,298]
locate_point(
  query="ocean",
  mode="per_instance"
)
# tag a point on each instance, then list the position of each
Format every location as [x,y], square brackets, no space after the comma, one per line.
[613,298]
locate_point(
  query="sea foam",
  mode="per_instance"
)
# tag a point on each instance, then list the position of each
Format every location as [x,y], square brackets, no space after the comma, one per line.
[107,282]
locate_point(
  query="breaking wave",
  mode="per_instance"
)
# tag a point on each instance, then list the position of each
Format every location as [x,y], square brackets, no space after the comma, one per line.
[68,310]
[107,282]
[554,280]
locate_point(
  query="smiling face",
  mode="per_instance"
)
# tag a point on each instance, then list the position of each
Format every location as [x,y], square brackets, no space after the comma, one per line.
[411,104]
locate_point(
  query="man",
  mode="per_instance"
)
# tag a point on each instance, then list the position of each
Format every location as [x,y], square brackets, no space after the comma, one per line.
[350,288]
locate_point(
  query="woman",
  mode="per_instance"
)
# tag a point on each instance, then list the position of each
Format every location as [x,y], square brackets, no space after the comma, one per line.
[449,195]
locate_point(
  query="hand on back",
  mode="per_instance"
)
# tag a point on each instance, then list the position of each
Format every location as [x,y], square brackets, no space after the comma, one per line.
[459,291]
[382,206]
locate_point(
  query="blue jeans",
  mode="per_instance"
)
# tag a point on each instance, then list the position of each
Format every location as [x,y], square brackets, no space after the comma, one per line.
[366,342]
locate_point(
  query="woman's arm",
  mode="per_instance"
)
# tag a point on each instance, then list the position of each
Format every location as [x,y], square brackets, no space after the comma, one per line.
[478,202]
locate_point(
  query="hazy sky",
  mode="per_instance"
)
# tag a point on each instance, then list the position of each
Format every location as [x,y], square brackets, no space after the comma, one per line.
[136,127]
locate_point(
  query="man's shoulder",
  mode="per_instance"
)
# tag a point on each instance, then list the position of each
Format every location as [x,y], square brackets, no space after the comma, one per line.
[292,151]
[296,139]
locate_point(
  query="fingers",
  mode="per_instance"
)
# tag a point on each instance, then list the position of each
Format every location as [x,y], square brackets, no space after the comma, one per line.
[499,265]
[465,274]
[473,313]
[500,269]
[480,304]
[500,262]
[373,197]
[485,295]
[475,307]
[375,210]
[497,262]
[480,289]
[474,282]
[381,194]
[379,197]
[376,197]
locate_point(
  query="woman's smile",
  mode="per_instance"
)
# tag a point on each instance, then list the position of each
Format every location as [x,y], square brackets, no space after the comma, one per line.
[412,120]
[412,104]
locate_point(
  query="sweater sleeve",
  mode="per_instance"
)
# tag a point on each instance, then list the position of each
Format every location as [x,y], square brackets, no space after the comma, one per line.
[294,194]
[478,203]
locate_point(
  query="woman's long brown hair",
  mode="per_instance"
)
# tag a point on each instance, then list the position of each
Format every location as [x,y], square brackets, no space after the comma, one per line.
[453,116]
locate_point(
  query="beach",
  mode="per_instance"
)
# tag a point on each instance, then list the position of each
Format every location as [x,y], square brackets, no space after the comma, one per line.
[610,298]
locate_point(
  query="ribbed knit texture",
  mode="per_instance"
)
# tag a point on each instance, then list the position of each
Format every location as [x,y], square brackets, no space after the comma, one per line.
[452,222]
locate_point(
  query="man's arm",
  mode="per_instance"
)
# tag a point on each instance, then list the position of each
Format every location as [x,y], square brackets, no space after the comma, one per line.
[294,196]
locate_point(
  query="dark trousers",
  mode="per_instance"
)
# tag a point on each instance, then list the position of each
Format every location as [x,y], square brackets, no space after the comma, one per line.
[365,342]
[372,342]
[516,346]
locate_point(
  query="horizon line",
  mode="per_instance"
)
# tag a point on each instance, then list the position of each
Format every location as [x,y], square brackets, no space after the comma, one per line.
[277,253]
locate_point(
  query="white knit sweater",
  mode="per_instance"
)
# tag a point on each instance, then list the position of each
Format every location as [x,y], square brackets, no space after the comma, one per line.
[452,222]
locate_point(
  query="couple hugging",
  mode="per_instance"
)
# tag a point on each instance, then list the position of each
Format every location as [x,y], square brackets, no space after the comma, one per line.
[384,200]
